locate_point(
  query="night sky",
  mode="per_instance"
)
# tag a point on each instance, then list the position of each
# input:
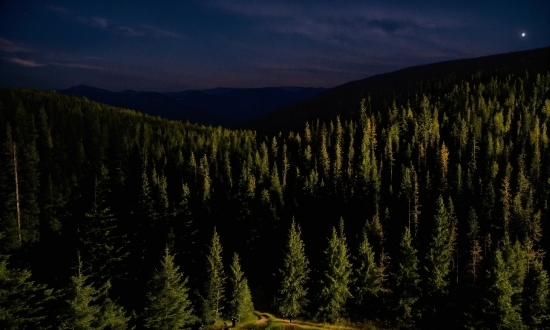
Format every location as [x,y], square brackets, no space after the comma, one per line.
[179,45]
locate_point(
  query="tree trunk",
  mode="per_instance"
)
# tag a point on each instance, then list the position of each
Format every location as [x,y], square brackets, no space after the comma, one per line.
[13,152]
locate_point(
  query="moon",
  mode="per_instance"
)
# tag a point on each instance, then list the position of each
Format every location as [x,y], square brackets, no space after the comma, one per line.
[523,34]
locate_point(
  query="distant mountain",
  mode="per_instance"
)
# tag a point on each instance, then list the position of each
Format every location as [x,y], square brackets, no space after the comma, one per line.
[344,100]
[218,106]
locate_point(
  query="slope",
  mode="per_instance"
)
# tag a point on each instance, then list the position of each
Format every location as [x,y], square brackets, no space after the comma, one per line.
[405,83]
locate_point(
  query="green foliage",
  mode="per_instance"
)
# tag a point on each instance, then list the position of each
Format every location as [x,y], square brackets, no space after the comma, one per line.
[499,310]
[536,299]
[215,282]
[102,245]
[168,304]
[515,257]
[336,283]
[295,273]
[22,301]
[479,138]
[369,275]
[240,300]
[89,308]
[440,252]
[407,281]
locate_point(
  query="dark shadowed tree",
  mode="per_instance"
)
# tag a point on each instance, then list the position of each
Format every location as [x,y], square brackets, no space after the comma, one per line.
[22,301]
[407,280]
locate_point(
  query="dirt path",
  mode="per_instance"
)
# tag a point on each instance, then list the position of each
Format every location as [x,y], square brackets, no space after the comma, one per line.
[262,319]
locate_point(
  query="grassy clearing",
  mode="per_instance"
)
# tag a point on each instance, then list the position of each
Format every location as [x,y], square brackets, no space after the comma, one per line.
[266,321]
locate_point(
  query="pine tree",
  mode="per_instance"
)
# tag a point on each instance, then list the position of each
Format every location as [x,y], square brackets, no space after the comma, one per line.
[102,246]
[81,311]
[516,260]
[406,189]
[499,311]
[536,299]
[407,281]
[22,301]
[474,247]
[440,252]
[204,170]
[369,275]
[295,272]
[276,189]
[240,301]
[168,305]
[20,220]
[416,202]
[90,308]
[336,283]
[214,295]
[112,316]
[184,225]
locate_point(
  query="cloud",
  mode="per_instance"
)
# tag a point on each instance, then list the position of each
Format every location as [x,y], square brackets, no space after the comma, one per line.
[142,30]
[77,66]
[9,46]
[157,32]
[28,63]
[25,63]
[349,26]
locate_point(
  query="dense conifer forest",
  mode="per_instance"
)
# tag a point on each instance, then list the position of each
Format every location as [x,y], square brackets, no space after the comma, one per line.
[425,207]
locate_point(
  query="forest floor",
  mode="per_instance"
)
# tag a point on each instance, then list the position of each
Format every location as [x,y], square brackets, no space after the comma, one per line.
[266,321]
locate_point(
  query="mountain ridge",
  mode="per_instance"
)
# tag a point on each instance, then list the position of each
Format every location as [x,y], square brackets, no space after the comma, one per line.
[217,106]
[345,99]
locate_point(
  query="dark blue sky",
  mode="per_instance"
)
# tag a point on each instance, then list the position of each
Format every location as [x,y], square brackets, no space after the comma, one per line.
[178,45]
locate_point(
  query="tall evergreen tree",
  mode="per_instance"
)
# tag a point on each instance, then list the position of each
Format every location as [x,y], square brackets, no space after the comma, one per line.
[81,311]
[215,282]
[240,301]
[87,307]
[499,311]
[516,258]
[440,252]
[474,247]
[103,247]
[22,301]
[168,304]
[536,298]
[407,281]
[369,275]
[295,273]
[336,283]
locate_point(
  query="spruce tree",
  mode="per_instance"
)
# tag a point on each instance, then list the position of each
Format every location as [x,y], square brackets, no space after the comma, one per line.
[87,307]
[240,301]
[536,299]
[499,311]
[215,282]
[440,252]
[168,305]
[515,257]
[474,247]
[369,276]
[103,247]
[22,301]
[295,273]
[407,281]
[81,309]
[337,278]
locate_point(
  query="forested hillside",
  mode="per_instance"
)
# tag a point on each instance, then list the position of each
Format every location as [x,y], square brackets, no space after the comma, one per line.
[399,85]
[425,207]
